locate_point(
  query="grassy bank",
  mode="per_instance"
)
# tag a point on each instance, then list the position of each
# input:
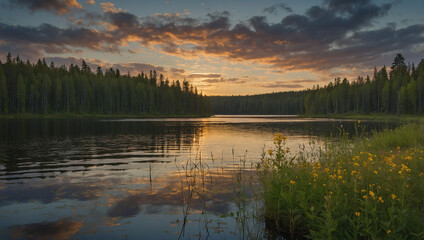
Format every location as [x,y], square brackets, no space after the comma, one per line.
[93,116]
[356,189]
[372,116]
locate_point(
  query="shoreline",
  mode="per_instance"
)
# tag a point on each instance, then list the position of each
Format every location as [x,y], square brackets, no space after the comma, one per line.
[376,117]
[96,116]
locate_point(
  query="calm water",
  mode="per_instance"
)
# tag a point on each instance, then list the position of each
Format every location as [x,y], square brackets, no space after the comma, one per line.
[138,179]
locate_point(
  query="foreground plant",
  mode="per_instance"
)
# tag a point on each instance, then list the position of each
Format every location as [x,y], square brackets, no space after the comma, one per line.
[353,190]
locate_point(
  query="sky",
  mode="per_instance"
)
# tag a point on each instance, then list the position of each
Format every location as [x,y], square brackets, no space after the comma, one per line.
[222,47]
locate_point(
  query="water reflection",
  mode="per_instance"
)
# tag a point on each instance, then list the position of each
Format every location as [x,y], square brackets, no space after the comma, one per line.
[61,229]
[131,179]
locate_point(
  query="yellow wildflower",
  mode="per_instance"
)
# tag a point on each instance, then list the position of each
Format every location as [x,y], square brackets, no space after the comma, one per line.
[393,196]
[365,197]
[389,231]
[292,182]
[375,172]
[357,214]
[372,194]
[269,151]
[380,199]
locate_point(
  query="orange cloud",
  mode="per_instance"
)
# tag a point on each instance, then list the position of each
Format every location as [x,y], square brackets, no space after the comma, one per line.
[110,7]
[57,6]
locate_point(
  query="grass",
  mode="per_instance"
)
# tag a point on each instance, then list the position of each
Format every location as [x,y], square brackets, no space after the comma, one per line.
[371,116]
[366,188]
[93,116]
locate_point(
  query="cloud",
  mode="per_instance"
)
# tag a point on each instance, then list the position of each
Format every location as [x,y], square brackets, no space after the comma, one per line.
[90,2]
[336,34]
[281,84]
[204,75]
[56,6]
[303,81]
[274,8]
[239,80]
[61,229]
[109,7]
[311,41]
[51,39]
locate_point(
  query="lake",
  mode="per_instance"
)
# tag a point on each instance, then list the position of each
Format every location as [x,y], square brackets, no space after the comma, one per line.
[142,178]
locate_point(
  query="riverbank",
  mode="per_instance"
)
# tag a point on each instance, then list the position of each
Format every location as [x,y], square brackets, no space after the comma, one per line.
[372,116]
[94,116]
[365,188]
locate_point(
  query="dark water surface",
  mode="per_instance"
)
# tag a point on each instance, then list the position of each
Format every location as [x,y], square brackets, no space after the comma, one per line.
[138,178]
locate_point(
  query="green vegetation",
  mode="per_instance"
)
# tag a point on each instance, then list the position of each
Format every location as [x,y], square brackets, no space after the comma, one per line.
[50,90]
[285,103]
[400,91]
[356,189]
[371,116]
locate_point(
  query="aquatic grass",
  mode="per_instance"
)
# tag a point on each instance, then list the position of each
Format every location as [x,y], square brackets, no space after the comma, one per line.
[248,204]
[355,189]
[198,180]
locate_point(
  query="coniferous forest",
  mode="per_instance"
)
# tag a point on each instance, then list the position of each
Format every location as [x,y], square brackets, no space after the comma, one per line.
[285,103]
[43,88]
[395,90]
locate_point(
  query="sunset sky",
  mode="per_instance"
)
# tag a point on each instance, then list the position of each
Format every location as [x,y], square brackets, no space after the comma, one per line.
[222,47]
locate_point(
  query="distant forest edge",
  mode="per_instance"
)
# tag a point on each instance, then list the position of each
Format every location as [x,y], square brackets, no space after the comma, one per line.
[43,89]
[397,91]
[39,88]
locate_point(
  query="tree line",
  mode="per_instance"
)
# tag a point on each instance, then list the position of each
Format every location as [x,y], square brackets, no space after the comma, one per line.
[398,90]
[283,103]
[40,88]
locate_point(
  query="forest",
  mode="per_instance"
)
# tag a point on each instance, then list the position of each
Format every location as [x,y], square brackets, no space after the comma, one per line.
[398,90]
[282,103]
[40,88]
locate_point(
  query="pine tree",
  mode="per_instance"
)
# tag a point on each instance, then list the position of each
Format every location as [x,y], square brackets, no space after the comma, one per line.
[4,99]
[21,93]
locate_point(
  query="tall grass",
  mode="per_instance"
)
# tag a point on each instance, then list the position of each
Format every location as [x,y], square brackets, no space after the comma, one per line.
[354,189]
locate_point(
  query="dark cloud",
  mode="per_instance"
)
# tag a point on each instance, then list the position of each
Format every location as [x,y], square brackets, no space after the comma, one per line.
[204,75]
[334,34]
[280,84]
[52,39]
[61,229]
[123,20]
[56,6]
[303,81]
[308,41]
[243,79]
[177,70]
[274,8]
